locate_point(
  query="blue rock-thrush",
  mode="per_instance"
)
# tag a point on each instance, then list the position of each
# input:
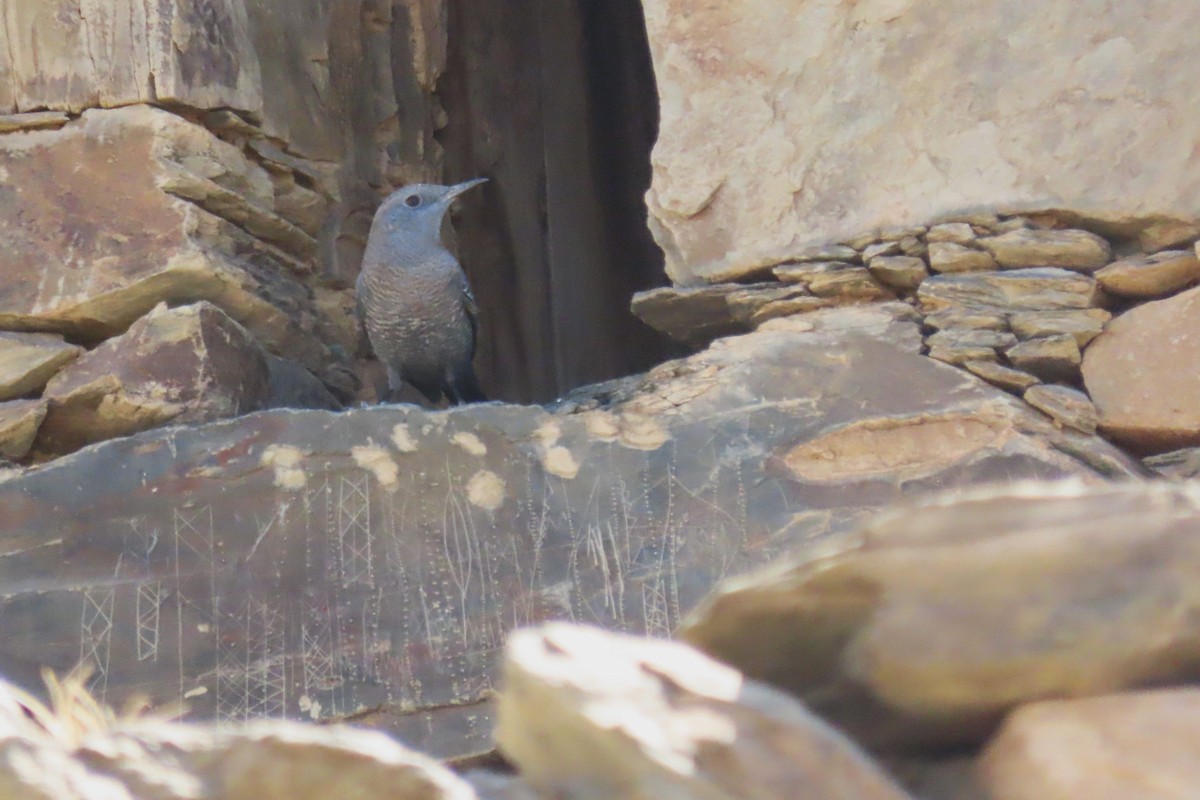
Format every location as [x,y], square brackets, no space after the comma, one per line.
[414,299]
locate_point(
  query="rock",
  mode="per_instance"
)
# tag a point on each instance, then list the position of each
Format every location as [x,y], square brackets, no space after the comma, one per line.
[1143,374]
[1007,378]
[29,360]
[1051,358]
[1141,744]
[951,257]
[1064,405]
[1083,325]
[961,355]
[293,386]
[787,307]
[880,249]
[855,283]
[189,364]
[826,252]
[895,323]
[1179,464]
[1068,249]
[924,628]
[1008,292]
[913,246]
[19,423]
[1151,276]
[899,272]
[585,713]
[748,306]
[970,337]
[187,201]
[694,316]
[947,320]
[490,785]
[939,779]
[335,543]
[32,121]
[955,232]
[772,140]
[805,271]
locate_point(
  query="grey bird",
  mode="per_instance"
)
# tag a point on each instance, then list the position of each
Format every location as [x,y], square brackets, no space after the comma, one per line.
[413,296]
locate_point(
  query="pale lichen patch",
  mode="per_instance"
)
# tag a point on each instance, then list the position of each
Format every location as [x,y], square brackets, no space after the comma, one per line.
[470,442]
[559,461]
[602,425]
[642,433]
[376,460]
[286,461]
[403,439]
[548,433]
[486,490]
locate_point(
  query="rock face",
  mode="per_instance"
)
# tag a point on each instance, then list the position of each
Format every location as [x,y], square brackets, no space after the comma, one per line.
[29,360]
[772,140]
[19,423]
[315,564]
[1143,373]
[931,622]
[189,364]
[588,714]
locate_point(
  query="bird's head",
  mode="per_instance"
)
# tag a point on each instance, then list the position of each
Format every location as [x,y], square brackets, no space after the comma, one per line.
[420,206]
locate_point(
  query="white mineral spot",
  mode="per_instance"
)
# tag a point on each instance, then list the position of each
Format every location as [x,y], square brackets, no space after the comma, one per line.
[403,439]
[286,462]
[376,460]
[199,691]
[642,433]
[485,490]
[548,433]
[310,706]
[470,442]
[601,425]
[559,461]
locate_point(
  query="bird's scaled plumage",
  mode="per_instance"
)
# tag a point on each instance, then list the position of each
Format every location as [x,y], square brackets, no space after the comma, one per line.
[413,296]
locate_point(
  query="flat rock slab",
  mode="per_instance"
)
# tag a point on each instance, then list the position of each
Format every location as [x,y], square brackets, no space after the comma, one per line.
[19,423]
[1075,250]
[1007,292]
[1143,373]
[927,625]
[1064,405]
[370,563]
[1151,276]
[29,360]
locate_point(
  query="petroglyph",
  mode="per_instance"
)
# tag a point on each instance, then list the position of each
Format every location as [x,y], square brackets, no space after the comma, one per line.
[559,461]
[403,439]
[286,463]
[485,490]
[379,463]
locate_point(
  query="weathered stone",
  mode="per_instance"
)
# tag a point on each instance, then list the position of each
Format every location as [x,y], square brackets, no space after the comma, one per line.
[74,266]
[1141,744]
[1084,324]
[945,320]
[1151,276]
[293,386]
[963,354]
[1167,234]
[891,248]
[1006,292]
[19,423]
[772,138]
[787,307]
[490,785]
[913,246]
[189,364]
[899,272]
[744,303]
[29,360]
[1010,224]
[939,779]
[1007,378]
[1081,251]
[956,232]
[1051,358]
[694,316]
[951,257]
[339,544]
[826,252]
[1143,373]
[855,283]
[1179,464]
[970,337]
[932,621]
[32,121]
[585,713]
[803,272]
[1065,406]
[895,323]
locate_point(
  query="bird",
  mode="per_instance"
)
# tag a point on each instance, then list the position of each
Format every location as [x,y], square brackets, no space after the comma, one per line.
[413,298]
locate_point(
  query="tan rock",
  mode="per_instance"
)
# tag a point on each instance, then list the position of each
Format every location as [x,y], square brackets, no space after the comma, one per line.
[19,423]
[959,355]
[1064,405]
[745,303]
[1051,358]
[1179,464]
[1081,251]
[803,272]
[1151,276]
[32,121]
[914,246]
[827,252]
[1084,324]
[899,272]
[895,323]
[971,337]
[694,315]
[878,249]
[855,283]
[1116,747]
[945,320]
[1007,378]
[28,360]
[952,257]
[585,713]
[932,621]
[1143,373]
[1006,292]
[956,232]
[189,364]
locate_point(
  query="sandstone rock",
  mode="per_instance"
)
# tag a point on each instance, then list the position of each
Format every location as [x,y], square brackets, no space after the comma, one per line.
[1084,325]
[805,271]
[931,622]
[970,337]
[490,785]
[29,360]
[880,249]
[855,283]
[962,354]
[894,323]
[946,320]
[787,307]
[694,316]
[585,713]
[339,544]
[1069,249]
[293,386]
[1143,373]
[32,121]
[19,423]
[956,232]
[745,304]
[826,252]
[1179,464]
[772,138]
[1007,378]
[914,246]
[939,779]
[189,364]
[1141,744]
[951,257]
[899,272]
[1006,292]
[187,200]
[1065,406]
[1151,276]
[1051,358]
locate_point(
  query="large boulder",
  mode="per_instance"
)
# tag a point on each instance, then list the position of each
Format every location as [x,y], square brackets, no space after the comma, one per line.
[788,123]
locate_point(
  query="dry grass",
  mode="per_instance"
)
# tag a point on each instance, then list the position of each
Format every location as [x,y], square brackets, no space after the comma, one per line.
[73,712]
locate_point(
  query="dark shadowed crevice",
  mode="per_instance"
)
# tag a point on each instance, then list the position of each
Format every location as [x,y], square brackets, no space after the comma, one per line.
[556,103]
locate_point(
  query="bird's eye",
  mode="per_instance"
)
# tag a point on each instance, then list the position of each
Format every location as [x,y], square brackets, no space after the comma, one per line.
[412,201]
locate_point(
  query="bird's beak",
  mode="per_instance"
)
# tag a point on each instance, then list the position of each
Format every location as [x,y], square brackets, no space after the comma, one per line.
[459,188]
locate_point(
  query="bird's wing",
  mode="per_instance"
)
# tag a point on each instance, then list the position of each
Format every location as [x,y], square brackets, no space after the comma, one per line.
[472,309]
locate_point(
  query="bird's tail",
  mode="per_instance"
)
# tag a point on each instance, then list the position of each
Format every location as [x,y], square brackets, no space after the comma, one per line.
[464,388]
